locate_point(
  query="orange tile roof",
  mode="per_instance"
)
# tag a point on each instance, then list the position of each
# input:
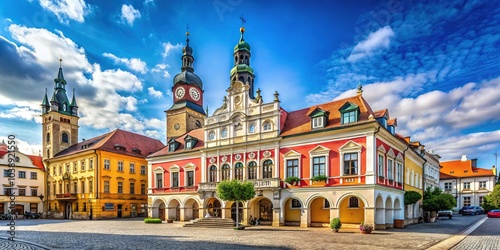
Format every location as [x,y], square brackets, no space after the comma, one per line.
[298,121]
[462,169]
[37,161]
[381,113]
[197,133]
[109,141]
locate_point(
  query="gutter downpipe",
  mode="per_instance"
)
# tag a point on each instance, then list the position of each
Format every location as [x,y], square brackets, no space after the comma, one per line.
[97,174]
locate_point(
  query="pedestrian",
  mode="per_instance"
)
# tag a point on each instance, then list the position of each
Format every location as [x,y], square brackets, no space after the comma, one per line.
[251,220]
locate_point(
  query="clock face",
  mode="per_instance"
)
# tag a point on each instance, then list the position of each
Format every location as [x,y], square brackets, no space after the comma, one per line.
[194,93]
[179,92]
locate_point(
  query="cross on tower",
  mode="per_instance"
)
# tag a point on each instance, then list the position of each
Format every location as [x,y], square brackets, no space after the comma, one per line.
[242,20]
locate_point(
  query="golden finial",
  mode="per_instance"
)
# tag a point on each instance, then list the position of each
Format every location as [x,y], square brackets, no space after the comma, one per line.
[60,62]
[242,29]
[187,29]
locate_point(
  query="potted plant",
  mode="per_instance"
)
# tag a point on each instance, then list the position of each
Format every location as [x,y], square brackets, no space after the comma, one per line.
[365,228]
[335,224]
[292,180]
[319,179]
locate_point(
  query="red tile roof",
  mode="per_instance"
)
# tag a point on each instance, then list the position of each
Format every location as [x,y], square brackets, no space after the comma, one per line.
[37,161]
[3,149]
[197,133]
[462,169]
[298,122]
[110,142]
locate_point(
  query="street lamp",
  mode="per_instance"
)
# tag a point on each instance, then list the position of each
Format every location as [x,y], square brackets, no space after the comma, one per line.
[41,197]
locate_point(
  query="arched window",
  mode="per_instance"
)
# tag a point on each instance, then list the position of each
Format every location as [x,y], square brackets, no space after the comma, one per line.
[223,133]
[64,137]
[353,202]
[251,128]
[241,79]
[236,60]
[213,174]
[267,170]
[266,126]
[48,154]
[226,172]
[252,170]
[238,171]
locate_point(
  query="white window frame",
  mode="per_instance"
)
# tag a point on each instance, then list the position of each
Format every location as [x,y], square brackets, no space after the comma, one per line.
[107,164]
[317,122]
[269,128]
[131,167]
[187,168]
[211,135]
[120,166]
[174,169]
[380,165]
[350,147]
[158,170]
[292,155]
[390,169]
[319,151]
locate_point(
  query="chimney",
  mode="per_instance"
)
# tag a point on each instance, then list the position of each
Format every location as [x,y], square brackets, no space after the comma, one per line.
[474,163]
[83,139]
[407,139]
[494,169]
[464,158]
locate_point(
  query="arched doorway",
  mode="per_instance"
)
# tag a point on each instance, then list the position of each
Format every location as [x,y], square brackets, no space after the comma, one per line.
[214,207]
[398,215]
[389,219]
[265,211]
[174,210]
[293,212]
[191,210]
[352,210]
[319,212]
[379,211]
[240,211]
[161,211]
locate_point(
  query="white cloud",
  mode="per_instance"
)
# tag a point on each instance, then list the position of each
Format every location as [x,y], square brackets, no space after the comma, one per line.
[146,2]
[376,41]
[154,123]
[155,93]
[134,64]
[169,47]
[24,147]
[161,67]
[129,14]
[67,9]
[24,113]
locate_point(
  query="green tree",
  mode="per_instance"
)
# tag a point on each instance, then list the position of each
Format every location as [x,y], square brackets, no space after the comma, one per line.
[494,197]
[411,197]
[236,191]
[435,200]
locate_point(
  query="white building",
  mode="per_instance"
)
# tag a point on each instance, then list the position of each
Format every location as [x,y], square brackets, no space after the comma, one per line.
[466,182]
[431,169]
[29,179]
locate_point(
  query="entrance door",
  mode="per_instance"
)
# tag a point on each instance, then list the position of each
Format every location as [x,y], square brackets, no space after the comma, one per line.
[120,211]
[161,212]
[178,213]
[240,210]
[67,212]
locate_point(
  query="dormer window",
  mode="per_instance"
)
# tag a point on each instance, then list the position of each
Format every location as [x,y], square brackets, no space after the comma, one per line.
[136,150]
[319,118]
[120,147]
[349,113]
[190,142]
[173,145]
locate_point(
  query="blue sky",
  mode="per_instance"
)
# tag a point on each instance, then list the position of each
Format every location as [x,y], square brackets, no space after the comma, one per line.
[433,64]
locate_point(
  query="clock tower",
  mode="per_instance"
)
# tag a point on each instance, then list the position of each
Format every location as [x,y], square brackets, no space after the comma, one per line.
[59,119]
[187,111]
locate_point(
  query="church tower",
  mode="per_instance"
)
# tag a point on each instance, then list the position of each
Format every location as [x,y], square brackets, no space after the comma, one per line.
[187,111]
[242,70]
[59,119]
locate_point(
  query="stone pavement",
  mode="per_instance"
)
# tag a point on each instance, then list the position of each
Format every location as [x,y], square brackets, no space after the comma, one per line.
[135,234]
[17,244]
[486,237]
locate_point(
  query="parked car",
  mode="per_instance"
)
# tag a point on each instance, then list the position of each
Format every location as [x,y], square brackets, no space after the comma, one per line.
[6,217]
[473,210]
[445,213]
[462,209]
[30,215]
[494,213]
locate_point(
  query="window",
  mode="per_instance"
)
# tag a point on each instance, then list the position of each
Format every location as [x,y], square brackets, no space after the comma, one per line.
[466,185]
[223,133]
[120,166]
[74,167]
[6,172]
[34,192]
[211,135]
[466,201]
[317,122]
[60,188]
[266,126]
[91,186]
[143,189]
[238,171]
[349,117]
[482,185]
[326,203]
[390,163]
[33,175]
[292,167]
[447,186]
[353,202]
[106,187]
[64,137]
[159,180]
[190,178]
[296,203]
[54,171]
[75,187]
[84,209]
[83,165]
[175,179]
[120,187]
[132,168]
[91,164]
[267,169]
[212,174]
[351,164]
[22,191]
[47,138]
[481,200]
[132,188]
[82,187]
[252,170]
[225,172]
[381,165]
[319,165]
[251,129]
[22,174]
[34,207]
[106,164]
[143,170]
[8,191]
[399,172]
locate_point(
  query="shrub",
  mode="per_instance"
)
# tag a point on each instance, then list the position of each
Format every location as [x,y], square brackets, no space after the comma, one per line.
[152,220]
[292,179]
[411,197]
[320,177]
[335,223]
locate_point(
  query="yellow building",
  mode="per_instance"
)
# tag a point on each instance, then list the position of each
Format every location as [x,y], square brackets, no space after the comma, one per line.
[413,179]
[103,177]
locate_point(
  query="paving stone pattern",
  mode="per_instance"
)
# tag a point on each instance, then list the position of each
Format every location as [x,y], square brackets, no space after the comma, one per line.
[135,234]
[485,237]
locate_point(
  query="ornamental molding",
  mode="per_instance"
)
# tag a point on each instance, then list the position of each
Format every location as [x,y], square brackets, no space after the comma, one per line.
[237,157]
[251,155]
[267,154]
[224,158]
